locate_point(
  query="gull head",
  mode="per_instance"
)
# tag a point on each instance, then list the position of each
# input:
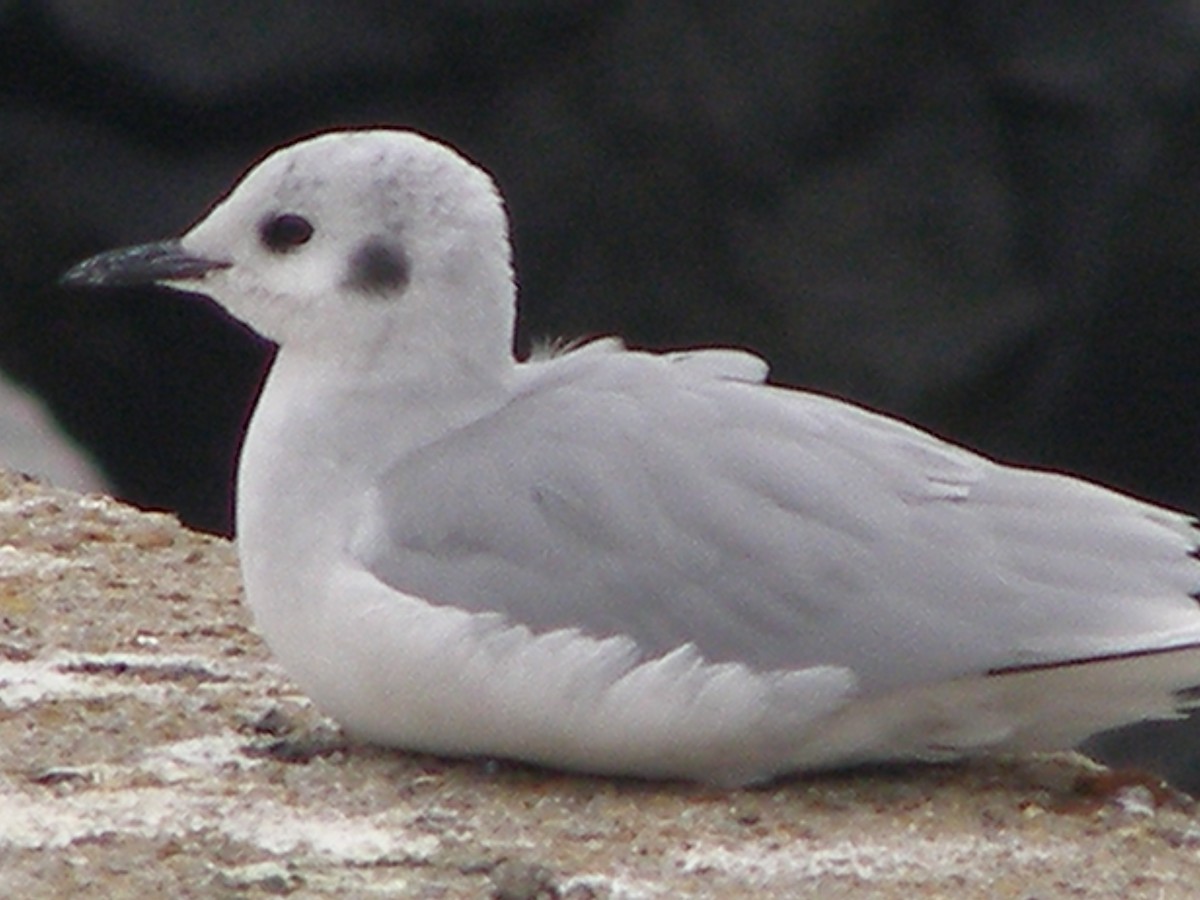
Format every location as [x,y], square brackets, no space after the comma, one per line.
[345,241]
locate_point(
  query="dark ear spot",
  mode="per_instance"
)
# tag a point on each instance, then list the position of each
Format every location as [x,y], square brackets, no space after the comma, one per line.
[377,267]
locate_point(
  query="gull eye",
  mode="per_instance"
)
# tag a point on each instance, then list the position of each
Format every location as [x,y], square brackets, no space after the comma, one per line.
[284,232]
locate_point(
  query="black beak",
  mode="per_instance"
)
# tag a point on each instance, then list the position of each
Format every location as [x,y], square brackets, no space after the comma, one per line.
[144,264]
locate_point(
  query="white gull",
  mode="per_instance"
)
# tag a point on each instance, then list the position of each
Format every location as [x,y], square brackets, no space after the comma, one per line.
[627,562]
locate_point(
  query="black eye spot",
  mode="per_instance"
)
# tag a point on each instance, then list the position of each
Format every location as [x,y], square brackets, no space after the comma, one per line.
[284,232]
[378,267]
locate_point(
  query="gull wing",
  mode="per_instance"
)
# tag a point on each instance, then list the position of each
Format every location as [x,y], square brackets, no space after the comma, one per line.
[676,500]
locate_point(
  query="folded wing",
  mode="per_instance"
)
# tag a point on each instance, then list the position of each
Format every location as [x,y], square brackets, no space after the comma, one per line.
[675,500]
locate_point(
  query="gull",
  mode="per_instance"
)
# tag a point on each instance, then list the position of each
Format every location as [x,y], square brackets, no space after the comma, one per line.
[625,562]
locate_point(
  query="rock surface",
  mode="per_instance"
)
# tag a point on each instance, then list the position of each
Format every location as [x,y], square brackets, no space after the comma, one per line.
[149,747]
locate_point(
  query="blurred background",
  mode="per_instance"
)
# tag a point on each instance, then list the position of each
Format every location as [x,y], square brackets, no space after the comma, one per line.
[981,217]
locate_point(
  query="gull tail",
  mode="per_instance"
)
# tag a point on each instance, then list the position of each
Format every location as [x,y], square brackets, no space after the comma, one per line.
[1039,707]
[1078,698]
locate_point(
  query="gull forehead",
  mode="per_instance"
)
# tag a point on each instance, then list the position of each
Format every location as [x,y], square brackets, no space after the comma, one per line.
[651,564]
[371,170]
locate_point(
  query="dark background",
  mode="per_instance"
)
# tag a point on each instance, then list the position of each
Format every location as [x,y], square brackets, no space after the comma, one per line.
[978,216]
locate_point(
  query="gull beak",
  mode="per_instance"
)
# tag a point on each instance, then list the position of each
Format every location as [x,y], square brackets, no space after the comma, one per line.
[143,264]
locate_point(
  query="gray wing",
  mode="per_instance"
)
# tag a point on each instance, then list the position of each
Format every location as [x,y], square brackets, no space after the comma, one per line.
[676,499]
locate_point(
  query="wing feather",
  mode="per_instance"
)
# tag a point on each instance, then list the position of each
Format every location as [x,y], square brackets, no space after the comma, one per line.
[676,501]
